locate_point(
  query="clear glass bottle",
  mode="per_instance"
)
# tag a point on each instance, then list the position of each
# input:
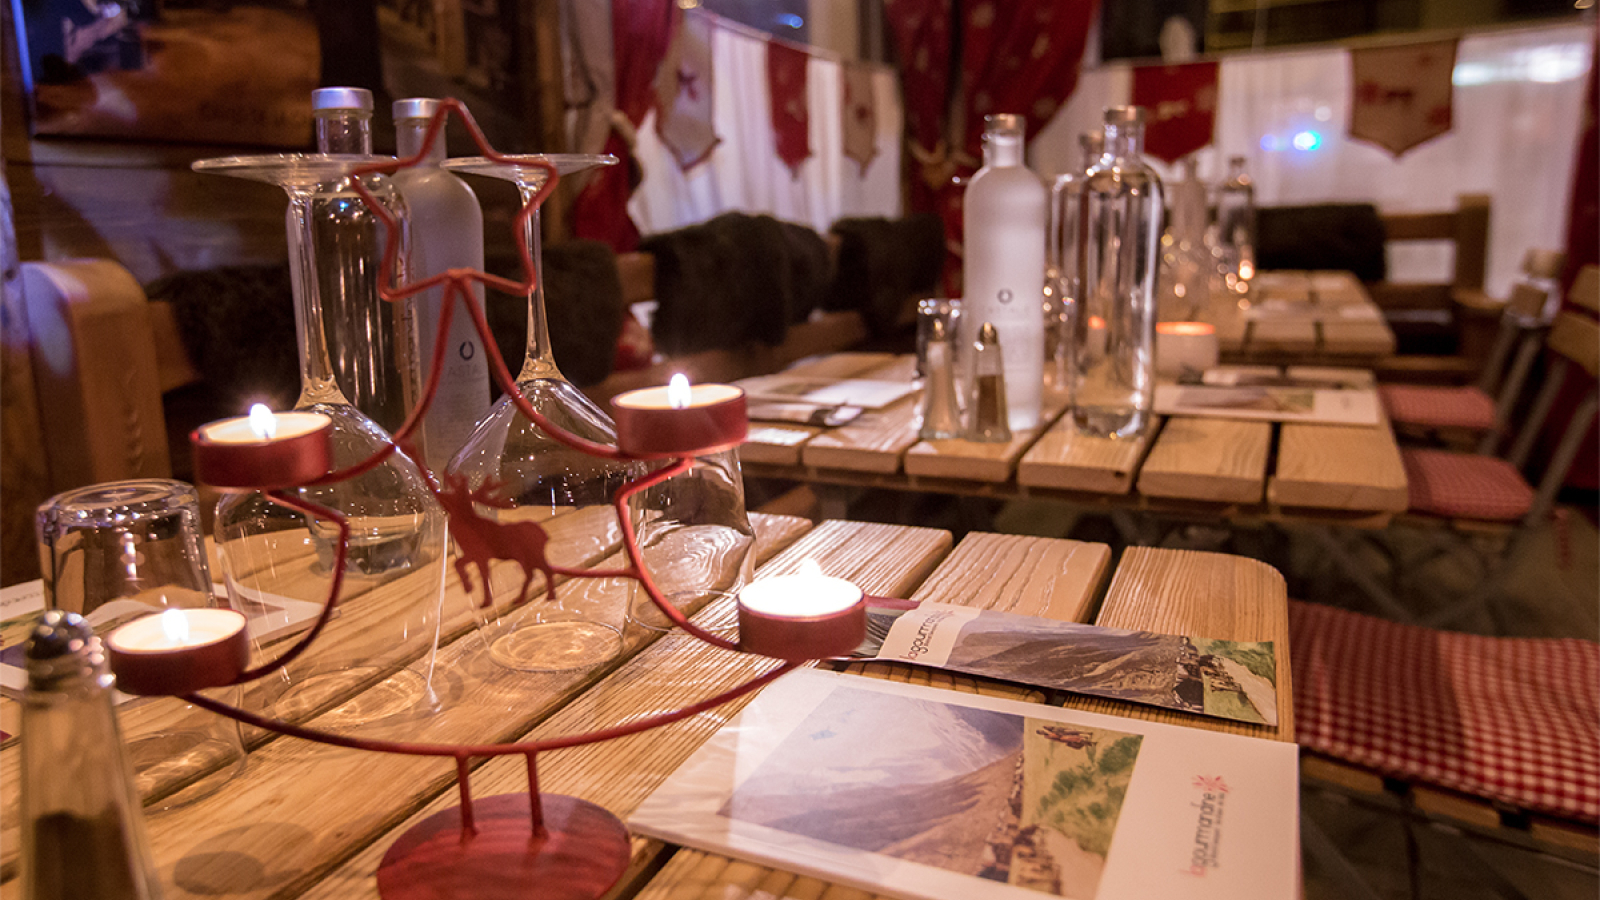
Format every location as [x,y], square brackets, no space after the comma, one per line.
[373,341]
[82,832]
[446,232]
[1235,246]
[1119,254]
[1066,220]
[1185,259]
[1006,211]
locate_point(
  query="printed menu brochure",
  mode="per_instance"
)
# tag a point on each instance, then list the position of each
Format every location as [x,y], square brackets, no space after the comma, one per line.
[917,792]
[1226,679]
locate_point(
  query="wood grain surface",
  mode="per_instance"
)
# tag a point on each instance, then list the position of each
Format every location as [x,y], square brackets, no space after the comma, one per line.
[1221,460]
[1064,459]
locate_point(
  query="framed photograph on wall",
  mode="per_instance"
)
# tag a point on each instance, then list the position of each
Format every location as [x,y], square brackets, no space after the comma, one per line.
[205,71]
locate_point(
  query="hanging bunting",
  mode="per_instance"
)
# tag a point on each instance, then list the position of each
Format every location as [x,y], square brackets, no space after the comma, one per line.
[786,92]
[1401,96]
[859,114]
[683,93]
[1180,105]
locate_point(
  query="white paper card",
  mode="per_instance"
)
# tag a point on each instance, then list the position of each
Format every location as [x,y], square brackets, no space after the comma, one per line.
[922,793]
[1274,404]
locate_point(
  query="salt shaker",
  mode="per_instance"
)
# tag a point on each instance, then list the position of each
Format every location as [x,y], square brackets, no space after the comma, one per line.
[986,411]
[82,831]
[941,416]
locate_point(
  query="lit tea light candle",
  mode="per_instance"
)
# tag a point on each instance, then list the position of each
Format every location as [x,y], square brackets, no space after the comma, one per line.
[1185,347]
[178,651]
[264,450]
[679,419]
[806,615]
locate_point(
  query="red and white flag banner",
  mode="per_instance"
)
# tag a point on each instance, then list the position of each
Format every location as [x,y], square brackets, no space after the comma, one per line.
[786,92]
[683,93]
[1180,105]
[1401,96]
[859,114]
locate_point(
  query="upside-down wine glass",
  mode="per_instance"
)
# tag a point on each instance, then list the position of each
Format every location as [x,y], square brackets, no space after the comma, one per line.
[566,491]
[278,561]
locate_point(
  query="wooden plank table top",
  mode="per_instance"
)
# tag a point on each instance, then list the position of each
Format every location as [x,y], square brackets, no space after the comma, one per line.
[1292,316]
[309,821]
[1336,474]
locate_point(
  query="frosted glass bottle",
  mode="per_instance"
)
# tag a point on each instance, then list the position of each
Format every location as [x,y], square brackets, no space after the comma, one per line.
[1118,257]
[1236,227]
[1004,225]
[372,342]
[446,232]
[1066,220]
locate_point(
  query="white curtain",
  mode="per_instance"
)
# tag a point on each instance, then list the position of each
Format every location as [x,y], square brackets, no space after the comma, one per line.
[1518,113]
[744,172]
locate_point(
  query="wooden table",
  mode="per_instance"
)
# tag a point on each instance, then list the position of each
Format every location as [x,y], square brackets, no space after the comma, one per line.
[308,821]
[1240,471]
[1296,317]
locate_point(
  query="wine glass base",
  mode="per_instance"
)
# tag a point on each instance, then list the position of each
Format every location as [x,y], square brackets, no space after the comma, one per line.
[584,852]
[556,646]
[401,694]
[648,616]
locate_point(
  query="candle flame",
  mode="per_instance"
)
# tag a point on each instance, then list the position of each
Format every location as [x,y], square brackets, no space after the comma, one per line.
[678,395]
[262,422]
[809,568]
[175,625]
[1096,322]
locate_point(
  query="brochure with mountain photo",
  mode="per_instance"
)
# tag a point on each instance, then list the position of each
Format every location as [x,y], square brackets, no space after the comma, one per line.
[1226,679]
[917,792]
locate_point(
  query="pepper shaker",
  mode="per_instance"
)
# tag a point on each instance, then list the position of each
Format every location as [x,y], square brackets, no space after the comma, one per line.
[82,830]
[986,413]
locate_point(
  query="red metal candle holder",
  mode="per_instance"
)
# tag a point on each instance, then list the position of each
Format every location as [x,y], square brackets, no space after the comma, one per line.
[510,847]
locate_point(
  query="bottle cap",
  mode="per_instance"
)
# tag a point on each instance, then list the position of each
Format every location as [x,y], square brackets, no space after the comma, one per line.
[1003,122]
[987,335]
[415,108]
[1092,141]
[1124,115]
[341,98]
[61,647]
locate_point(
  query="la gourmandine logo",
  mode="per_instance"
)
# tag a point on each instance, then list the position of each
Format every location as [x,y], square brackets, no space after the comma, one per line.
[1208,827]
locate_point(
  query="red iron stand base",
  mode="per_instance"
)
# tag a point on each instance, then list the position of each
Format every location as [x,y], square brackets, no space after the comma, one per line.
[584,853]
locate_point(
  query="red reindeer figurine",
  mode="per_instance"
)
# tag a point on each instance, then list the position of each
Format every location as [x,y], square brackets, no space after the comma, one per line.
[480,539]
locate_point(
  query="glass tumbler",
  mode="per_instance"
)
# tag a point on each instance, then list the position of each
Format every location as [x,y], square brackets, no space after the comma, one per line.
[121,551]
[695,538]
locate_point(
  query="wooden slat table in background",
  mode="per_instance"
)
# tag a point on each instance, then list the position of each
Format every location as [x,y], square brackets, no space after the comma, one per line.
[1301,317]
[1247,470]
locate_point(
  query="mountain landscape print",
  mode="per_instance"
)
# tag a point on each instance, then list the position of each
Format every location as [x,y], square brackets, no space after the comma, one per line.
[1228,679]
[1028,802]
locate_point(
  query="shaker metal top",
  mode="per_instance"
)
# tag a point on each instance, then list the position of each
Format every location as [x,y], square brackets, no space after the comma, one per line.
[61,647]
[341,98]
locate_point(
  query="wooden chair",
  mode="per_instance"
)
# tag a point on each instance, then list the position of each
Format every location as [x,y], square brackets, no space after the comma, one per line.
[1498,737]
[1481,411]
[1482,502]
[1439,312]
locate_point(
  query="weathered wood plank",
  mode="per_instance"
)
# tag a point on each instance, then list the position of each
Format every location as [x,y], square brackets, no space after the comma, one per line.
[1221,460]
[1338,467]
[1064,459]
[676,671]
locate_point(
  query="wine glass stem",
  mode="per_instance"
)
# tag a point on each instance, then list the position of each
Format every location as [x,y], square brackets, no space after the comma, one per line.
[317,384]
[539,362]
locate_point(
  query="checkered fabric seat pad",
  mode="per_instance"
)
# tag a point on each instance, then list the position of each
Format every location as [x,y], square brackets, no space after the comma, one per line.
[1512,720]
[1431,406]
[1465,485]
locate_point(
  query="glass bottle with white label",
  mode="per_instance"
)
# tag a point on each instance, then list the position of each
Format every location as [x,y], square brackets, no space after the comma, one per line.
[446,232]
[1004,222]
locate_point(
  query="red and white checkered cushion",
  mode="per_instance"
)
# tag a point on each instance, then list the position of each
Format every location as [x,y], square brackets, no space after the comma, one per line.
[1512,720]
[1432,406]
[1465,485]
